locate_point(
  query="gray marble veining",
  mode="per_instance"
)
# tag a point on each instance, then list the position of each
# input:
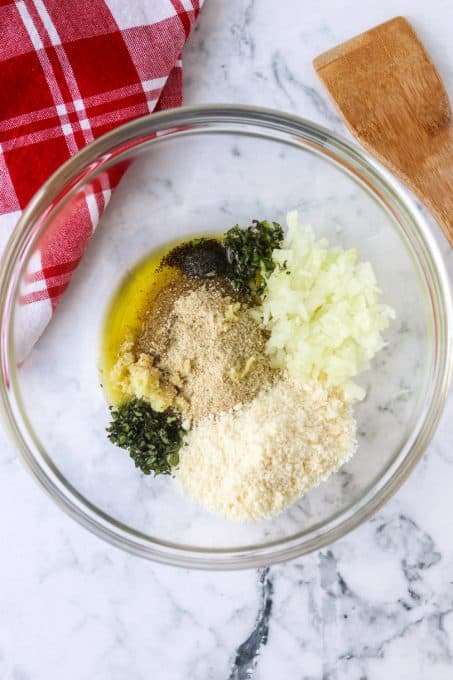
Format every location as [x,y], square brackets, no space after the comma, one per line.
[247,654]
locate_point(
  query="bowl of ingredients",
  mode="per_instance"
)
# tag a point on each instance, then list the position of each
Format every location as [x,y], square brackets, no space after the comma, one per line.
[253,352]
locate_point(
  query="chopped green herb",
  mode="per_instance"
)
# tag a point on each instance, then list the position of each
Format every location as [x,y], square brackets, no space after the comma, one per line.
[152,438]
[249,253]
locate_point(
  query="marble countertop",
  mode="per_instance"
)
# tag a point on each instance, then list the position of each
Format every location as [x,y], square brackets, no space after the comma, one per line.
[378,604]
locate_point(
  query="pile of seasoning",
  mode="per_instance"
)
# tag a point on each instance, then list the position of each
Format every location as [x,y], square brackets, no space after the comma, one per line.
[206,346]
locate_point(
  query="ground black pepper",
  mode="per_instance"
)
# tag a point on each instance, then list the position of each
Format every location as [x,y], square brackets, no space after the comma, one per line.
[199,258]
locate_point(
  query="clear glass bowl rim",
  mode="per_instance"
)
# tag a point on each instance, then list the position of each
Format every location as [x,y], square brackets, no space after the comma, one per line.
[233,118]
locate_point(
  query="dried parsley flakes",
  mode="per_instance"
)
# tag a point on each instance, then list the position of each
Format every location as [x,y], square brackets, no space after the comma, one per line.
[152,438]
[249,253]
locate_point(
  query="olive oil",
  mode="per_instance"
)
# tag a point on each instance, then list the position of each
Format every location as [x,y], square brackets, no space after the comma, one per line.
[128,307]
[127,310]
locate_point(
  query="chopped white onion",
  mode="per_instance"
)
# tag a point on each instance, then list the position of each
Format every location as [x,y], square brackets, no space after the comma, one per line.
[322,309]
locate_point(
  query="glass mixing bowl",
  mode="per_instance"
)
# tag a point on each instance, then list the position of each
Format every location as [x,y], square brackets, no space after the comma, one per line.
[198,170]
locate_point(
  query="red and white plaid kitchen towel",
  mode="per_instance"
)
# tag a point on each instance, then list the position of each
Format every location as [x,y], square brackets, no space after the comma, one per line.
[70,70]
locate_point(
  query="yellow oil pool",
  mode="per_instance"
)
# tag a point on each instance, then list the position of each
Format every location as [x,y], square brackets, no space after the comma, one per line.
[127,309]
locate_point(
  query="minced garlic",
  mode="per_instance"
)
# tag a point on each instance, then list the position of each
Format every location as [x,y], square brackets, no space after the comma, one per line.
[236,374]
[136,377]
[232,312]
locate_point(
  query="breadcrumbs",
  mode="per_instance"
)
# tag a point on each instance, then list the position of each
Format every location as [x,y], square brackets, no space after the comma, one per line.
[207,347]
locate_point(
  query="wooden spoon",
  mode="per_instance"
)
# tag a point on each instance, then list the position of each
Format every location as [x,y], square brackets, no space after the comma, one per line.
[392,98]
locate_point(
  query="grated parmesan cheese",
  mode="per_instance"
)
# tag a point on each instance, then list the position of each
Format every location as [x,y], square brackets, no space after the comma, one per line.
[254,460]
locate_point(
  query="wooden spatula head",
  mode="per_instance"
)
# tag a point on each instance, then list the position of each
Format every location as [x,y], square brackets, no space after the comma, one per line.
[392,98]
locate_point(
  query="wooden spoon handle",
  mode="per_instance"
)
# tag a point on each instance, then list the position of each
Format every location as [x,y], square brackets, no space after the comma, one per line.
[433,184]
[430,178]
